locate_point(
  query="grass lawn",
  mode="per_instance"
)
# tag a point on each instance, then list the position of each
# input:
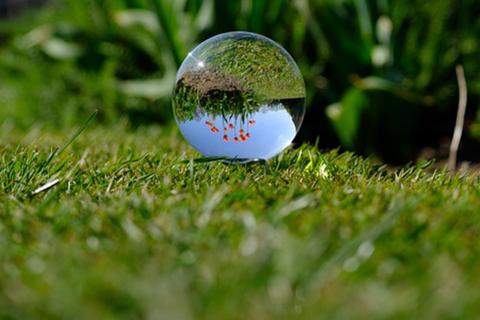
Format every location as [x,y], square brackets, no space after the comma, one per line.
[131,231]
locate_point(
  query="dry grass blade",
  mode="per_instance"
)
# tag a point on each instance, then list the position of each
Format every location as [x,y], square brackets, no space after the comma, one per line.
[46,187]
[462,106]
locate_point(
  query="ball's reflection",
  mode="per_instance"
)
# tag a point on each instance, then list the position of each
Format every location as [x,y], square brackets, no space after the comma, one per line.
[239,96]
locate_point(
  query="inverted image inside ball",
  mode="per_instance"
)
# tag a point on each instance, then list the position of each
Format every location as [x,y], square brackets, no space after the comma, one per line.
[240,96]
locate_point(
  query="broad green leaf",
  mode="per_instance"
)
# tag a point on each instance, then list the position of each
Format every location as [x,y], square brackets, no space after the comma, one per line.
[150,89]
[346,115]
[168,17]
[204,18]
[60,49]
[134,17]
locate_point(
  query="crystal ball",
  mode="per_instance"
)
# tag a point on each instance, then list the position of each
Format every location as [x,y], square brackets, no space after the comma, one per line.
[239,96]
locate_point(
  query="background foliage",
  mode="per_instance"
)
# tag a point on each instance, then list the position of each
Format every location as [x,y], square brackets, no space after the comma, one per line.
[380,74]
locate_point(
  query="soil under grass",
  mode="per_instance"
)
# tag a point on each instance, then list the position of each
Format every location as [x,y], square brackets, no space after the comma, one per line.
[216,93]
[207,81]
[131,231]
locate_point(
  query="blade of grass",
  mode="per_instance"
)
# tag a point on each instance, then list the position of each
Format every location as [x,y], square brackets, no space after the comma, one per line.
[257,17]
[78,132]
[58,151]
[167,18]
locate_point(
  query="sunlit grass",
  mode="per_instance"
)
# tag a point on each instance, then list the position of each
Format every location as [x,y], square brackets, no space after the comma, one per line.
[133,231]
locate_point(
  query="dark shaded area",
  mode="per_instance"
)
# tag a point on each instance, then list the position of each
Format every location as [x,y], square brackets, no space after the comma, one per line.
[15,7]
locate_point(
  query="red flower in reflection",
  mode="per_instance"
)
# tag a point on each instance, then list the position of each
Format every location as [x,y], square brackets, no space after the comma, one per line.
[241,135]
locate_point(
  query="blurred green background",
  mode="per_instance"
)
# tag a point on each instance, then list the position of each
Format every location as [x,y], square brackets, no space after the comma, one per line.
[380,74]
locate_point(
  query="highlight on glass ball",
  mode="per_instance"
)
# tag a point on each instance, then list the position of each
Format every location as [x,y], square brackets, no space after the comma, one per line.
[239,96]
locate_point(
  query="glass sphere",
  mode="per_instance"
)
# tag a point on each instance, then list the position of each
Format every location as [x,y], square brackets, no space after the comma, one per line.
[239,95]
